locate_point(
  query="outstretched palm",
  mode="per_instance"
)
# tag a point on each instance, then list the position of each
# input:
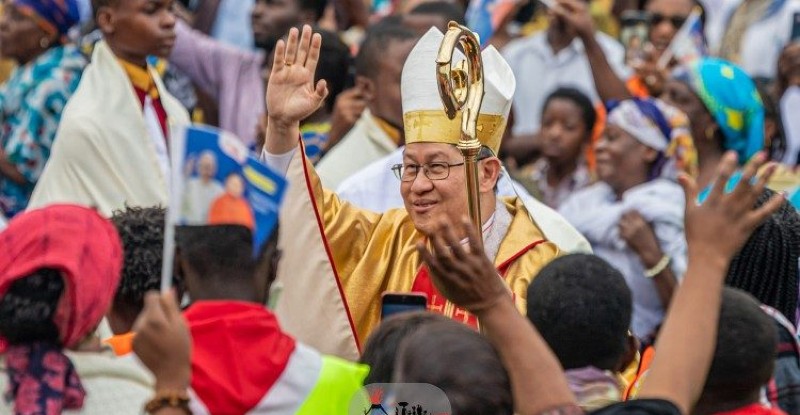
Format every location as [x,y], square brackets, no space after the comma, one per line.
[291,92]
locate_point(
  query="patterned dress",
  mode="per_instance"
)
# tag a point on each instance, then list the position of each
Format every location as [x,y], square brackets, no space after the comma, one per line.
[31,103]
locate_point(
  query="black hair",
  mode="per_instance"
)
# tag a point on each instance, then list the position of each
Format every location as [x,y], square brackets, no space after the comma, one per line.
[334,65]
[316,6]
[579,300]
[377,41]
[588,113]
[447,10]
[214,251]
[380,351]
[28,307]
[744,357]
[142,233]
[767,265]
[460,362]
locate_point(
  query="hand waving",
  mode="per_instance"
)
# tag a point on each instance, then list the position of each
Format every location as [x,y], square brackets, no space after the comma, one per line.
[291,92]
[463,274]
[717,229]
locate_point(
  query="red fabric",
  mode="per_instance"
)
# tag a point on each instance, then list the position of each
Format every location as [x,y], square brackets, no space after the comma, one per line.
[78,242]
[238,353]
[161,113]
[754,409]
[437,302]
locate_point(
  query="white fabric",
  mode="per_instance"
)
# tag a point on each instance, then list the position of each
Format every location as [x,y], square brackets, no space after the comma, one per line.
[199,197]
[420,88]
[156,134]
[539,72]
[114,385]
[289,392]
[376,188]
[762,42]
[596,213]
[363,144]
[102,155]
[790,102]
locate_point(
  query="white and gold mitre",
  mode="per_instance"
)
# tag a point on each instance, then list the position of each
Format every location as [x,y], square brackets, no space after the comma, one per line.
[424,118]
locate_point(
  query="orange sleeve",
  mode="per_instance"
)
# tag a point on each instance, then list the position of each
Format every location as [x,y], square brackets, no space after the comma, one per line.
[122,344]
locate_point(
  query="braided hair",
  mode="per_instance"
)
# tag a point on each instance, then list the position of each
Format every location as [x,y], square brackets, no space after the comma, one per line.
[767,266]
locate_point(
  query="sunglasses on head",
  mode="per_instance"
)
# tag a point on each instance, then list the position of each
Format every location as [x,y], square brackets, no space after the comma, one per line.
[676,21]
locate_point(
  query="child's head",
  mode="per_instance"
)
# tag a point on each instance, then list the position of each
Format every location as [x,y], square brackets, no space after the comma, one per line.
[744,357]
[568,118]
[460,362]
[216,260]
[135,29]
[582,307]
[381,349]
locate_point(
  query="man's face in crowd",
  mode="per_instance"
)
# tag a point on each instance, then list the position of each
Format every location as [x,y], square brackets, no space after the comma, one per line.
[665,15]
[388,104]
[272,19]
[427,200]
[138,28]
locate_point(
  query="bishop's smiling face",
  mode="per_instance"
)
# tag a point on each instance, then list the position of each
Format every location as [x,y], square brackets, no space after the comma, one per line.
[427,200]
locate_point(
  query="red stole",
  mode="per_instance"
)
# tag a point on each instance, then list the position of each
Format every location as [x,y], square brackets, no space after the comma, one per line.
[238,353]
[437,303]
[161,113]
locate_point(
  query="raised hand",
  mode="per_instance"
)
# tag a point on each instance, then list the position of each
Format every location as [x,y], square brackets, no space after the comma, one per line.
[291,92]
[718,228]
[465,276]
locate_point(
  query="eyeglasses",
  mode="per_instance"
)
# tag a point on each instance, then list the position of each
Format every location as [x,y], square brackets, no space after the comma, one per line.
[676,21]
[433,171]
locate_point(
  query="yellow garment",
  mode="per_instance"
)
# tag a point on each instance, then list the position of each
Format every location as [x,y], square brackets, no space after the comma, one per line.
[103,155]
[372,253]
[141,78]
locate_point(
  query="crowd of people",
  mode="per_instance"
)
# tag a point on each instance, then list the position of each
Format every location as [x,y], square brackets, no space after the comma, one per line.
[637,249]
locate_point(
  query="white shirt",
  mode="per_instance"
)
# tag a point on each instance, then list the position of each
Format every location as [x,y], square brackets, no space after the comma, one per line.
[539,72]
[762,42]
[365,143]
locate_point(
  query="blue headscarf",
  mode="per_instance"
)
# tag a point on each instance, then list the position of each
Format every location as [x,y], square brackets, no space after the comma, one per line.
[54,16]
[731,97]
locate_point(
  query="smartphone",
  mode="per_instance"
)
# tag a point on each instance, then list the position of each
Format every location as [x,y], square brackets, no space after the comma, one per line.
[796,27]
[396,303]
[634,33]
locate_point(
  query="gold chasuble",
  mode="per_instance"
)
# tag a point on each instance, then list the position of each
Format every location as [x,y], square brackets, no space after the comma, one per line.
[339,259]
[369,254]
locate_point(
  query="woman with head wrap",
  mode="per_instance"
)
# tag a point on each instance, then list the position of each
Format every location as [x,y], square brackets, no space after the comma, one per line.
[33,33]
[633,217]
[58,274]
[725,110]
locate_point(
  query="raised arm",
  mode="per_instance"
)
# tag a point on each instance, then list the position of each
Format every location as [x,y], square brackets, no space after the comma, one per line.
[609,85]
[291,92]
[715,231]
[469,280]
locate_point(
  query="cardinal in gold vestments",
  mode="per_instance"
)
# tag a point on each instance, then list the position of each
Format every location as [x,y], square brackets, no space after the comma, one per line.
[339,259]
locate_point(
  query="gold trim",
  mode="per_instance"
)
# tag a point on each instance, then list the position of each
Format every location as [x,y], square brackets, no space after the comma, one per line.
[433,126]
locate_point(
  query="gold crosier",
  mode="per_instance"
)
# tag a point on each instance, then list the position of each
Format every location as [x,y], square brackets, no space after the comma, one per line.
[461,89]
